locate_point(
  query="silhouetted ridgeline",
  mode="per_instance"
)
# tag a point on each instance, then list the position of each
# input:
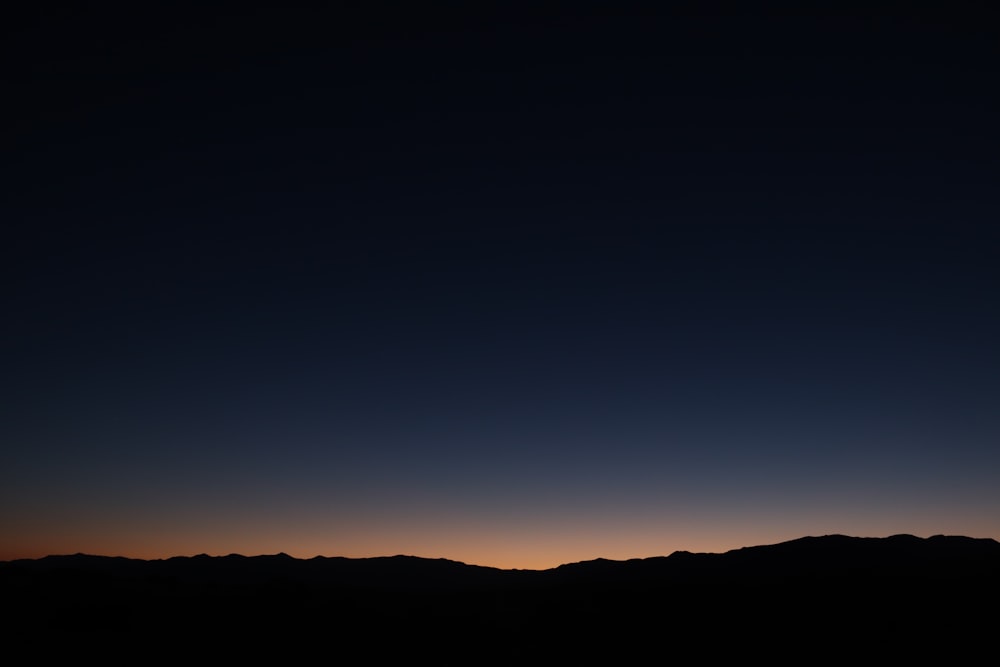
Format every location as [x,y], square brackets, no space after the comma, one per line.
[890,594]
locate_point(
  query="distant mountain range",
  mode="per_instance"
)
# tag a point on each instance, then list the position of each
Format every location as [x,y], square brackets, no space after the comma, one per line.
[938,557]
[890,592]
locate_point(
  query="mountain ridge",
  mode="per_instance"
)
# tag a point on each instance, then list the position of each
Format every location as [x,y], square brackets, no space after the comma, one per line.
[807,553]
[887,596]
[828,537]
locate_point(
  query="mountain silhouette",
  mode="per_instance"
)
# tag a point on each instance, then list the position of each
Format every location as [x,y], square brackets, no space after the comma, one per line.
[889,597]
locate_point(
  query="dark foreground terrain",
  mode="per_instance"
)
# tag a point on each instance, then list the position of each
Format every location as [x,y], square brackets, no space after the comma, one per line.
[807,600]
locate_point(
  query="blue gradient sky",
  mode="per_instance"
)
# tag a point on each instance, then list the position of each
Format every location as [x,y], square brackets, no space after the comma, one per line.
[514,289]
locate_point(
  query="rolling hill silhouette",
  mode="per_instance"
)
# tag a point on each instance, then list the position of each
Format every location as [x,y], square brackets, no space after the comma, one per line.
[891,596]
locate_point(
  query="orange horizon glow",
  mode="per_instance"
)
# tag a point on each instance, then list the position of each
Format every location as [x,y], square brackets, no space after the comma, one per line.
[500,552]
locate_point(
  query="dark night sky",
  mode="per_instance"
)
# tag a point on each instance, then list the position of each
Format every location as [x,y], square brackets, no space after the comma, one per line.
[516,287]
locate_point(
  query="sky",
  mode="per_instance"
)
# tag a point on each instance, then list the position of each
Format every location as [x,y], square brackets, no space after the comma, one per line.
[516,285]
